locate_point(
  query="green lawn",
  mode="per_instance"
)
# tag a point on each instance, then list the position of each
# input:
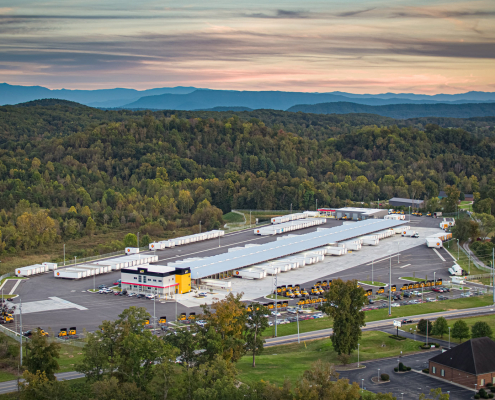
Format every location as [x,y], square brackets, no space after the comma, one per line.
[464,261]
[8,296]
[412,279]
[373,283]
[232,217]
[376,315]
[466,205]
[470,321]
[289,361]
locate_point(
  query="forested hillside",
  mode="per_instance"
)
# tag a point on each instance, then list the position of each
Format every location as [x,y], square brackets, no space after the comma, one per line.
[68,170]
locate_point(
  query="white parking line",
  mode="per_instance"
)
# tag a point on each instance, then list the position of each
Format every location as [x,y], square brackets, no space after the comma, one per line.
[404,266]
[15,286]
[439,255]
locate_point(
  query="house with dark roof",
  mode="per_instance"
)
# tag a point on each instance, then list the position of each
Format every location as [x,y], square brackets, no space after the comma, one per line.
[471,364]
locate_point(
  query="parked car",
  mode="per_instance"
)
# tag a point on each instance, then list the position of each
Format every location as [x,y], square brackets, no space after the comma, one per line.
[116,293]
[445,289]
[150,296]
[102,286]
[416,235]
[131,294]
[407,294]
[318,315]
[466,294]
[276,313]
[443,298]
[140,296]
[395,305]
[204,294]
[416,293]
[430,299]
[437,289]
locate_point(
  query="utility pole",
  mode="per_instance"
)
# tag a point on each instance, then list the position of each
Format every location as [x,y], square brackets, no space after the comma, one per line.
[291,208]
[358,354]
[398,250]
[457,249]
[20,320]
[64,254]
[154,312]
[372,280]
[427,332]
[316,209]
[138,239]
[297,316]
[390,288]
[493,274]
[175,295]
[199,226]
[276,308]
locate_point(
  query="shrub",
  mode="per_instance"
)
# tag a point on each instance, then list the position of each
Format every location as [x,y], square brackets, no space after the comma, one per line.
[490,395]
[384,377]
[396,369]
[476,396]
[482,392]
[489,384]
[492,389]
[401,367]
[408,368]
[426,370]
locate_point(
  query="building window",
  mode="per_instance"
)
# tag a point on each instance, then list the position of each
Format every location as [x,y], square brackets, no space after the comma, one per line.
[135,277]
[442,372]
[493,380]
[139,280]
[482,382]
[434,370]
[159,280]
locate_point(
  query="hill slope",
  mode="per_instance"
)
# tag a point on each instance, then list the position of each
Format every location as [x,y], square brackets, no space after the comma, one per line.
[402,111]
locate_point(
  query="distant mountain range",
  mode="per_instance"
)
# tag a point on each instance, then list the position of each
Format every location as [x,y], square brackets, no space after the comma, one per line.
[191,98]
[402,111]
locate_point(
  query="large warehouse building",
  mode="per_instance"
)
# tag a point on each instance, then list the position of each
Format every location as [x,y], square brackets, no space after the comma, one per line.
[357,214]
[401,202]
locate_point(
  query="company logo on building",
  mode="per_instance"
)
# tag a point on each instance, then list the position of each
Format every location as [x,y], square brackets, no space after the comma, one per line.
[141,271]
[58,273]
[237,272]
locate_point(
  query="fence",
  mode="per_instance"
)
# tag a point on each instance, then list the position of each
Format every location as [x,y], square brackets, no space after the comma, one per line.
[9,332]
[476,277]
[475,263]
[7,275]
[70,263]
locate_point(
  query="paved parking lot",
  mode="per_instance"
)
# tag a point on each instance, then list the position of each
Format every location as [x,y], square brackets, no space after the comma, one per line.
[408,385]
[77,307]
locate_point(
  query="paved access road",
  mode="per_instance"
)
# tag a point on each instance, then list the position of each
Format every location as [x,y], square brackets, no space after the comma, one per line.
[407,385]
[11,386]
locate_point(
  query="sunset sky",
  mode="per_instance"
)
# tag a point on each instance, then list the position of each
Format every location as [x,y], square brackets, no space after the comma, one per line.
[315,46]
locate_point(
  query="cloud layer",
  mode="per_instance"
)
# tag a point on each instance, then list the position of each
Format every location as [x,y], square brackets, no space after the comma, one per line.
[363,47]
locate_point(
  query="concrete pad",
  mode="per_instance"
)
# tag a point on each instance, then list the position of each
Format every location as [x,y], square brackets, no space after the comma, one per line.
[54,303]
[256,288]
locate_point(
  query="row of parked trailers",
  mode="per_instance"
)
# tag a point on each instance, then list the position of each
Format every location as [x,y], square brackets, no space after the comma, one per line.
[198,237]
[294,217]
[436,241]
[35,269]
[289,226]
[260,271]
[80,271]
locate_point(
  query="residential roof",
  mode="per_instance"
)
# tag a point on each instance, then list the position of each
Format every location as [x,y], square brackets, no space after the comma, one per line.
[476,356]
[402,200]
[292,245]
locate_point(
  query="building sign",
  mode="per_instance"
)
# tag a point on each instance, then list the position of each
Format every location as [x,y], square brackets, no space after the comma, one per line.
[398,324]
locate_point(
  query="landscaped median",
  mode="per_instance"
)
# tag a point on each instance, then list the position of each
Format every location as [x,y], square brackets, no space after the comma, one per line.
[296,358]
[373,283]
[376,315]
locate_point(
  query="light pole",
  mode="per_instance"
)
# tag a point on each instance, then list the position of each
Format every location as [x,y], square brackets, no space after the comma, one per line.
[219,241]
[297,317]
[94,283]
[199,226]
[372,280]
[358,354]
[362,383]
[390,288]
[409,213]
[276,308]
[378,374]
[457,249]
[154,312]
[493,274]
[434,279]
[64,254]
[20,321]
[398,250]
[449,337]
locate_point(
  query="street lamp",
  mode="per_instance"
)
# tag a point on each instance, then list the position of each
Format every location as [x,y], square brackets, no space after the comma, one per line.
[457,249]
[362,383]
[358,354]
[199,226]
[449,337]
[378,374]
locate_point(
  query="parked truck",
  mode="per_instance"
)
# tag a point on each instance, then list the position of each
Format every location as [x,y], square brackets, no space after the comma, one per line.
[456,270]
[409,233]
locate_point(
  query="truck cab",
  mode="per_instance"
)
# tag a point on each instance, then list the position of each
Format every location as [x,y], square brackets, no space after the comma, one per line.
[456,270]
[63,332]
[72,331]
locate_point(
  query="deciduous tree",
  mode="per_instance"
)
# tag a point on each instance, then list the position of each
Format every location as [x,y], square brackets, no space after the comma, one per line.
[460,330]
[256,323]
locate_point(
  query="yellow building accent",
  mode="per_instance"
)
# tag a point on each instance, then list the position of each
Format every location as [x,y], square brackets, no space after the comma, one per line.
[183,278]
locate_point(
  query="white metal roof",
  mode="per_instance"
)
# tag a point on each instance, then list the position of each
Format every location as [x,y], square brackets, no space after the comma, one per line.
[151,268]
[360,210]
[273,250]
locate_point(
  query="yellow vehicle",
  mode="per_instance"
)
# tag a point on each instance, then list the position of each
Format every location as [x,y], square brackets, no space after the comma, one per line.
[249,308]
[192,316]
[72,331]
[304,292]
[329,283]
[428,284]
[8,317]
[297,293]
[301,302]
[416,285]
[422,284]
[296,287]
[307,301]
[314,290]
[380,290]
[404,287]
[146,322]
[279,290]
[284,289]
[289,288]
[410,286]
[162,320]
[285,304]
[419,214]
[324,285]
[63,332]
[402,212]
[429,214]
[182,317]
[290,293]
[393,288]
[42,332]
[369,292]
[439,282]
[279,305]
[320,290]
[271,305]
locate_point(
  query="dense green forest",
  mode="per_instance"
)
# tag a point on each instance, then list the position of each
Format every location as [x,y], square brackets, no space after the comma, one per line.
[68,170]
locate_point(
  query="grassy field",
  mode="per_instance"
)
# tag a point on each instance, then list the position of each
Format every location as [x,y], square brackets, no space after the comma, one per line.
[232,217]
[69,356]
[465,263]
[466,205]
[376,315]
[296,358]
[470,321]
[374,283]
[263,216]
[412,279]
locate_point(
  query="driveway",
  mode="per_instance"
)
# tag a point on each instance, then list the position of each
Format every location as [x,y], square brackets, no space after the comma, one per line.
[408,385]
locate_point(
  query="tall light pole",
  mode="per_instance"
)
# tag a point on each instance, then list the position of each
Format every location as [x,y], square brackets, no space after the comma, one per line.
[457,249]
[372,261]
[398,250]
[378,374]
[20,320]
[297,317]
[362,383]
[449,337]
[64,254]
[154,312]
[358,354]
[276,308]
[390,288]
[493,274]
[409,213]
[199,226]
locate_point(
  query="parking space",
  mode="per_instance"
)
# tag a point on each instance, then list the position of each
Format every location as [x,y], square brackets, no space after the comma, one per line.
[407,385]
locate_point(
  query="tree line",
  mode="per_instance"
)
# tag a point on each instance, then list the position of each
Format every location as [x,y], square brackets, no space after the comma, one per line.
[77,170]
